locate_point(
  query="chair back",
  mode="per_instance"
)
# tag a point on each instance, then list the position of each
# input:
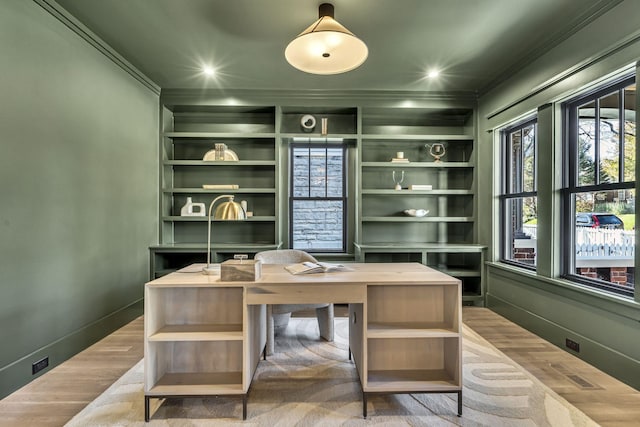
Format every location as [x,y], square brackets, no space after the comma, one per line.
[284,256]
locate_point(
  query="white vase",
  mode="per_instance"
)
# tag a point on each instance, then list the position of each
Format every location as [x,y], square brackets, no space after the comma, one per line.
[192,209]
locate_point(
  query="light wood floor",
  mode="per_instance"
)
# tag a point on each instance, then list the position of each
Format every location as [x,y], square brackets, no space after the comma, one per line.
[55,397]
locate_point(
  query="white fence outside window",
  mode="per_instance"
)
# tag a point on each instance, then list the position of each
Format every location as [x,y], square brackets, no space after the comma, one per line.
[595,247]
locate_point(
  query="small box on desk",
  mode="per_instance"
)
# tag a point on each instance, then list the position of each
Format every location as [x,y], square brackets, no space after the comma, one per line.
[240,270]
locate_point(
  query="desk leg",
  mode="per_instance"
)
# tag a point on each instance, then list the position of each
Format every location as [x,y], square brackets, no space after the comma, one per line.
[349,353]
[146,409]
[244,407]
[364,405]
[460,403]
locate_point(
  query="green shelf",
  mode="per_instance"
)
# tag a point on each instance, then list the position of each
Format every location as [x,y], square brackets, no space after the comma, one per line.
[219,163]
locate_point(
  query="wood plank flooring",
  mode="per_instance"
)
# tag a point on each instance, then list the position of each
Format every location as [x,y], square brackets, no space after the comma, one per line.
[606,400]
[54,398]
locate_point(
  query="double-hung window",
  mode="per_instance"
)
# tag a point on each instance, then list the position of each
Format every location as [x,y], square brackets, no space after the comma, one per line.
[318,199]
[599,188]
[518,199]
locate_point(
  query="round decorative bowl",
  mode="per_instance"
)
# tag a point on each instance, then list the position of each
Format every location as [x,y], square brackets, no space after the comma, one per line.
[416,212]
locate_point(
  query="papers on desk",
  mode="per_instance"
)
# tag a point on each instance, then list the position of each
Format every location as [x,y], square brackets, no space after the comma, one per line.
[313,267]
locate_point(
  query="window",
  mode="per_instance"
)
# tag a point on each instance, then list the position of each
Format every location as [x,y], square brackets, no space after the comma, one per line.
[599,189]
[318,197]
[518,202]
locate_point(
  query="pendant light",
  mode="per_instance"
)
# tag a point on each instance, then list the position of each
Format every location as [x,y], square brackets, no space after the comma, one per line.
[326,47]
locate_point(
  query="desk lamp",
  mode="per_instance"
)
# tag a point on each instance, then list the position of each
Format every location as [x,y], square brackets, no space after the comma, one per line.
[227,211]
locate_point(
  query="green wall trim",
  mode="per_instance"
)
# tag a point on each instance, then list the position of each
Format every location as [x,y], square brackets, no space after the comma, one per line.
[555,80]
[580,21]
[607,359]
[81,30]
[601,300]
[18,373]
[316,98]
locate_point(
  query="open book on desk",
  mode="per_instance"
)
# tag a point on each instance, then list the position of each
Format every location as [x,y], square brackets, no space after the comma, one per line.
[313,267]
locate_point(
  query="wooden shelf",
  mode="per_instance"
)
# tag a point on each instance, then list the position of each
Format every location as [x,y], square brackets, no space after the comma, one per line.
[415,380]
[200,383]
[212,332]
[410,330]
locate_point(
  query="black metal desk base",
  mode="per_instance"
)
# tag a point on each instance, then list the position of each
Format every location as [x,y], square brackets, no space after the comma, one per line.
[364,398]
[147,399]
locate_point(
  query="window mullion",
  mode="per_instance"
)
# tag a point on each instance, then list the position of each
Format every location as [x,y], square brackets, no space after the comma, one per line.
[596,143]
[621,139]
[326,171]
[309,172]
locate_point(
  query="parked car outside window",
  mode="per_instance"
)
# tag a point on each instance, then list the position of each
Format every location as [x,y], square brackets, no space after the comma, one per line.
[599,220]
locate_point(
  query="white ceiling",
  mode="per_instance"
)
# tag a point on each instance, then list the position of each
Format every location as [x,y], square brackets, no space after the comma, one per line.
[476,43]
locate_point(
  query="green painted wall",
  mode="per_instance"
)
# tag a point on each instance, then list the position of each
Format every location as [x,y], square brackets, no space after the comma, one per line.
[607,327]
[78,167]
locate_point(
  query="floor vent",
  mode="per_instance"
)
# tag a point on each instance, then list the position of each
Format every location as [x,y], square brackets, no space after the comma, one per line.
[575,378]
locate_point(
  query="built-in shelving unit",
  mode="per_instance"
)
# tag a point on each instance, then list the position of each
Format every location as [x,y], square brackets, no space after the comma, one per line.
[375,131]
[386,233]
[189,132]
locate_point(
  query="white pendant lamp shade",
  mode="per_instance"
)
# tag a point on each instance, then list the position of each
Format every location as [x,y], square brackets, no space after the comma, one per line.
[326,47]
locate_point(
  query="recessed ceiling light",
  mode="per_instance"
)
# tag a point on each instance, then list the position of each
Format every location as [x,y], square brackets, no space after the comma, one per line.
[433,73]
[208,71]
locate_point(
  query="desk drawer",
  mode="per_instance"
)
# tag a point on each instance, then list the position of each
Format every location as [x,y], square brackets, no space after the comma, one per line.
[306,294]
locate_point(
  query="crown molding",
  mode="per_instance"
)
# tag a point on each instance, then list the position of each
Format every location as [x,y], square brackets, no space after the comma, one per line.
[316,97]
[630,41]
[579,22]
[100,45]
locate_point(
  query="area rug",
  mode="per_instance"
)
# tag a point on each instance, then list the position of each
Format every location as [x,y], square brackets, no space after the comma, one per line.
[310,382]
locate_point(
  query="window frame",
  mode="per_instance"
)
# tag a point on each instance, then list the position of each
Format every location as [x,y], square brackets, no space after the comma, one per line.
[343,145]
[570,178]
[505,185]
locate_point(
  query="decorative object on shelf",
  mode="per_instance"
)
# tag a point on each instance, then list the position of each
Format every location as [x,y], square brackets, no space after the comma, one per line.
[326,47]
[221,153]
[399,158]
[436,150]
[243,203]
[220,186]
[325,124]
[192,209]
[227,211]
[416,212]
[240,269]
[308,123]
[397,180]
[427,187]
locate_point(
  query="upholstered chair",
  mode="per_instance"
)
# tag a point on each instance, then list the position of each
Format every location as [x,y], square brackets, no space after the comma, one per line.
[278,315]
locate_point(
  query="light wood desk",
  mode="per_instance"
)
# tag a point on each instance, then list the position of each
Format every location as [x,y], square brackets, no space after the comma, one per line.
[205,337]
